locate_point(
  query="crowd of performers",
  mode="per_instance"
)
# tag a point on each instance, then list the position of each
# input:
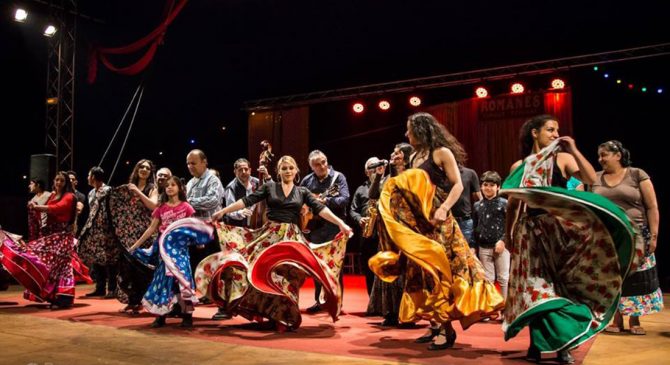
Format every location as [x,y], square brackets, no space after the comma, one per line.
[442,246]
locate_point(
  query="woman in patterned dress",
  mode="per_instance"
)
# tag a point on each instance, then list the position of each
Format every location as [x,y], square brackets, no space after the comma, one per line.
[44,266]
[259,272]
[444,281]
[631,189]
[569,248]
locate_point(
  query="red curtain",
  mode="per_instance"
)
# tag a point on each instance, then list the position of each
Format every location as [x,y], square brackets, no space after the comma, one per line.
[152,40]
[489,128]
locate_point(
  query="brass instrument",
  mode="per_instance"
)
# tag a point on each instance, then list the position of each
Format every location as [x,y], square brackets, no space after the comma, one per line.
[373,214]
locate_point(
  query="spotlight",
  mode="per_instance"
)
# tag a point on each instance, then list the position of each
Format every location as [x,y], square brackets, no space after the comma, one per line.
[618,81]
[384,105]
[517,88]
[557,84]
[358,108]
[481,92]
[20,15]
[160,153]
[659,91]
[606,76]
[49,31]
[631,86]
[192,141]
[415,101]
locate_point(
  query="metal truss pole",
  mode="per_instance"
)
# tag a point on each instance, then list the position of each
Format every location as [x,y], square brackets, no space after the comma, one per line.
[61,83]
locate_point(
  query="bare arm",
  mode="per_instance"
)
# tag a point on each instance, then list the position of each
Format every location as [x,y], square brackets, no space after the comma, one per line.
[231,208]
[649,197]
[328,215]
[445,158]
[577,165]
[155,223]
[151,201]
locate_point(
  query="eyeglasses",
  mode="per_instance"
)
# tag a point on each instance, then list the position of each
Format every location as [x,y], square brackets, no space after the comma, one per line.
[145,167]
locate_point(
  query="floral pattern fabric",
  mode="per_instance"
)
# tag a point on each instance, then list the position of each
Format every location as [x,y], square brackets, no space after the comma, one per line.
[444,281]
[224,276]
[97,241]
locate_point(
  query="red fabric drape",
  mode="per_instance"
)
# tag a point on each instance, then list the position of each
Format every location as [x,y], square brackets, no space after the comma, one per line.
[492,143]
[153,39]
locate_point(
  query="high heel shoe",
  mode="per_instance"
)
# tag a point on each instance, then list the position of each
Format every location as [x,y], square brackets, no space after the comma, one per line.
[451,340]
[429,337]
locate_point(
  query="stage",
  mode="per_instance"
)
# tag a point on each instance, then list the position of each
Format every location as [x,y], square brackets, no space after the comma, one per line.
[93,332]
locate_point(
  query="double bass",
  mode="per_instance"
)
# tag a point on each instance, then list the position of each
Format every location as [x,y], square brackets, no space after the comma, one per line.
[258,216]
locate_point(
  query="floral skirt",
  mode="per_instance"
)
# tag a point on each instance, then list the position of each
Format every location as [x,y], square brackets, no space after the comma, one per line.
[569,253]
[641,293]
[259,272]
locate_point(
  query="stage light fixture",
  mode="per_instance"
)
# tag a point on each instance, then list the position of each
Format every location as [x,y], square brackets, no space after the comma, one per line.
[595,68]
[20,15]
[192,141]
[50,30]
[618,81]
[481,92]
[384,105]
[358,108]
[659,91]
[557,84]
[517,88]
[52,101]
[631,86]
[644,89]
[415,101]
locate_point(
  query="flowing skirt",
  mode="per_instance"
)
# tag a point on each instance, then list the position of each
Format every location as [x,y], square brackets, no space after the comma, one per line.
[44,266]
[569,252]
[259,272]
[172,281]
[444,281]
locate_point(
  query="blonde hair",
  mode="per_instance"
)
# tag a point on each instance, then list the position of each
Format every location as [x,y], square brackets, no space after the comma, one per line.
[291,161]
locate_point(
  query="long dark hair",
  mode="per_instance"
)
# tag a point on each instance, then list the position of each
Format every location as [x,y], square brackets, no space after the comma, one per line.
[615,146]
[135,176]
[164,198]
[432,135]
[526,140]
[68,189]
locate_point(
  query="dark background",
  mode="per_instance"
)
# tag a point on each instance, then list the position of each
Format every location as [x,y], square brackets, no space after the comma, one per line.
[217,54]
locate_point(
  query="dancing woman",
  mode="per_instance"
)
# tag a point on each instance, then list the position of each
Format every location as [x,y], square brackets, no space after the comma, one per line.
[259,272]
[569,249]
[44,266]
[444,281]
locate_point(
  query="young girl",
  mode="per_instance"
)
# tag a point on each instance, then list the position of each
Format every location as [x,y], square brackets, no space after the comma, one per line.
[172,287]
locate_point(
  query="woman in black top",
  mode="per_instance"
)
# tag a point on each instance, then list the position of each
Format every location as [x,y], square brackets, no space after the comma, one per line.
[251,264]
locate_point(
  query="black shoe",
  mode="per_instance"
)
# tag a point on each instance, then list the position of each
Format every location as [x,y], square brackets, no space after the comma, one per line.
[389,322]
[175,311]
[96,293]
[429,337]
[564,357]
[110,295]
[314,309]
[221,314]
[158,322]
[451,340]
[187,320]
[533,354]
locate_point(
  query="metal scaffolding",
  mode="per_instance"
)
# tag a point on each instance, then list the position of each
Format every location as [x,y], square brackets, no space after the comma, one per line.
[461,78]
[61,83]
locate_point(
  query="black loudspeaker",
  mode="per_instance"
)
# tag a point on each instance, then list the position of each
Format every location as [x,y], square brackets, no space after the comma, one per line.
[43,167]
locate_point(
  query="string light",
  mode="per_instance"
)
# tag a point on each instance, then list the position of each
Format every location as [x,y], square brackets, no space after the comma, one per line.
[630,85]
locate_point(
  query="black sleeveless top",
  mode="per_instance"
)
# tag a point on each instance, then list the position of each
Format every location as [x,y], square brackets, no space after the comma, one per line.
[557,178]
[436,174]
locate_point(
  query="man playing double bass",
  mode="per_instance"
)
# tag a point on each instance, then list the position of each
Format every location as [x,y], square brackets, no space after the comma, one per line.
[332,190]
